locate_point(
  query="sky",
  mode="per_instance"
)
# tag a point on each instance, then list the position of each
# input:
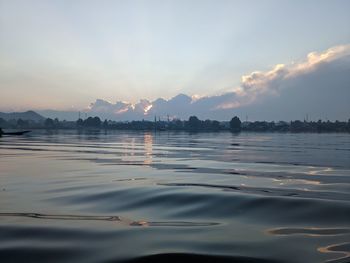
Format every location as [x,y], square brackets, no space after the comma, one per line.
[64,55]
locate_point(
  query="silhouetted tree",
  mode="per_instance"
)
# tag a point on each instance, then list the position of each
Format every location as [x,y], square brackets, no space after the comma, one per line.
[176,124]
[193,123]
[235,124]
[92,122]
[215,125]
[206,125]
[105,124]
[80,122]
[3,123]
[49,123]
[296,126]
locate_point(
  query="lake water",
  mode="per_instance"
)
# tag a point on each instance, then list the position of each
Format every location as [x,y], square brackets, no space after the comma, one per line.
[169,197]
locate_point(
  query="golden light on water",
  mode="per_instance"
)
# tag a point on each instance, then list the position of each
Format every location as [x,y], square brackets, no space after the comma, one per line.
[336,249]
[148,139]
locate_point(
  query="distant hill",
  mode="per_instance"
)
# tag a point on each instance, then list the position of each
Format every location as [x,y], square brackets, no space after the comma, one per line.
[62,115]
[27,115]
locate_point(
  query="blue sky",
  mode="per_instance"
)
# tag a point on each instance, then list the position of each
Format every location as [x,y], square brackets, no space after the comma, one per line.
[65,54]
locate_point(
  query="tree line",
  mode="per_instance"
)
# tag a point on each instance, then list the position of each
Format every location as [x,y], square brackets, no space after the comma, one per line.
[192,124]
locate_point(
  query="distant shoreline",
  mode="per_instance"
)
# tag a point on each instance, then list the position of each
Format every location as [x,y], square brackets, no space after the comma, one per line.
[193,124]
[102,130]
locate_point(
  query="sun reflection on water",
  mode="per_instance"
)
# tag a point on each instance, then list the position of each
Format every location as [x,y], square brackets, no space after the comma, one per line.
[342,249]
[148,142]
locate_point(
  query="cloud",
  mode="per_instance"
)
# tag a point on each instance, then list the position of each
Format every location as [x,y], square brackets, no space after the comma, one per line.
[264,83]
[315,59]
[318,86]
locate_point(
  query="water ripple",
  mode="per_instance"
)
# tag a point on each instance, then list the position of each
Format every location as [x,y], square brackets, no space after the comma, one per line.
[111,218]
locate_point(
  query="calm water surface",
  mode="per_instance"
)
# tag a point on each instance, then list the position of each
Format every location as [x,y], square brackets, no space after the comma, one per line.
[158,197]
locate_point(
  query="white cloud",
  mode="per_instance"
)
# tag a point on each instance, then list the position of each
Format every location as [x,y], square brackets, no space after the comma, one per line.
[312,85]
[259,83]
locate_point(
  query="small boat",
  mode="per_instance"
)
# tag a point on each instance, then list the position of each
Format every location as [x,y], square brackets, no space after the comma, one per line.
[15,133]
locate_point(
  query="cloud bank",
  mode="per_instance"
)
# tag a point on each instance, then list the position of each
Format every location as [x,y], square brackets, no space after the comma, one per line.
[258,83]
[318,86]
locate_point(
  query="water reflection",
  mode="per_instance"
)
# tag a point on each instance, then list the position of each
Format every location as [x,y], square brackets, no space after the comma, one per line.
[205,193]
[62,217]
[129,146]
[309,231]
[148,145]
[114,218]
[342,249]
[315,171]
